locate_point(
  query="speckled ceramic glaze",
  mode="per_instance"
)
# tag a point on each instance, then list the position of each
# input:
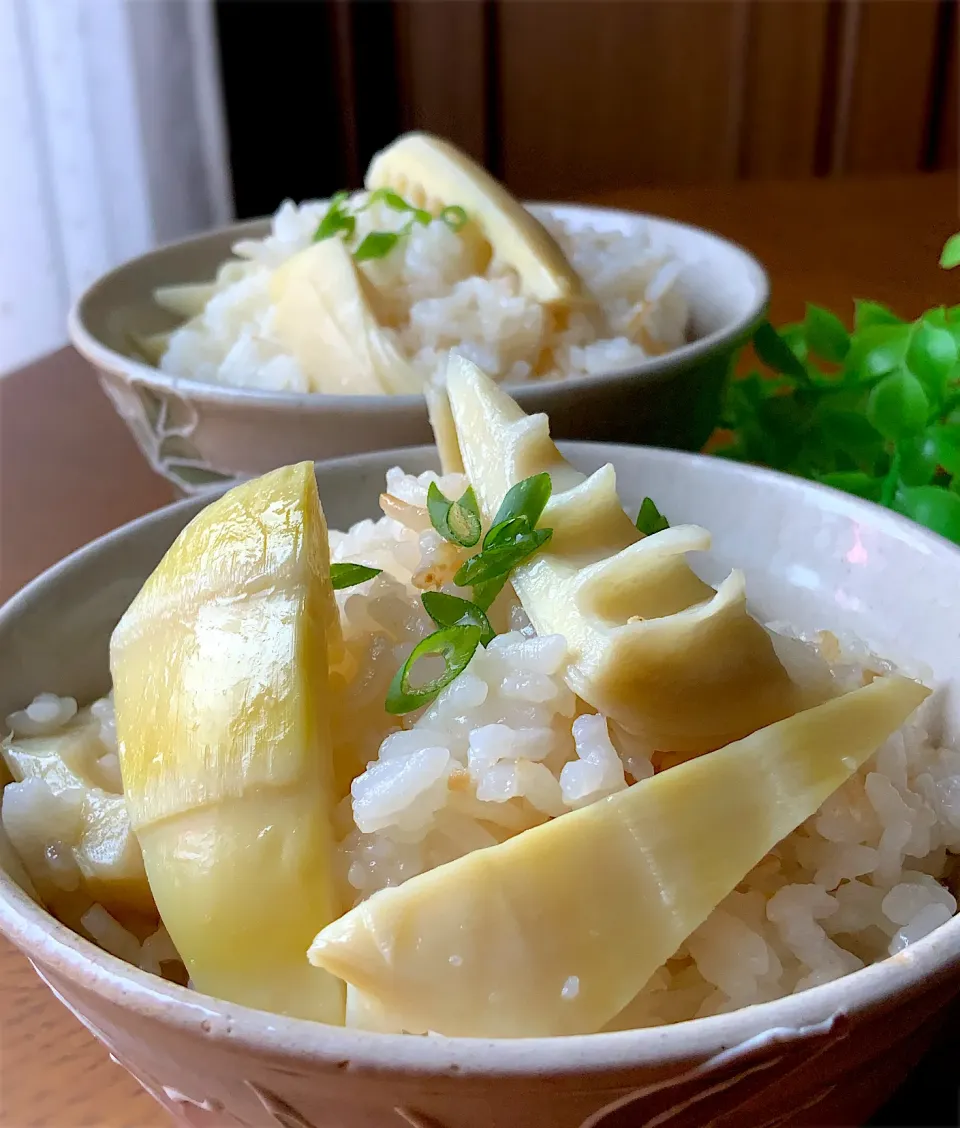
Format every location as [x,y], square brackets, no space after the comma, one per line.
[829,1055]
[201,435]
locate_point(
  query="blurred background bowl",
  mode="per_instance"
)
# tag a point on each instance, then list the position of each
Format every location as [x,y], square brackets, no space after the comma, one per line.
[200,434]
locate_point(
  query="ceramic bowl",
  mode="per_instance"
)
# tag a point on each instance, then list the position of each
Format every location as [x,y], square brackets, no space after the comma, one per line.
[829,1055]
[198,435]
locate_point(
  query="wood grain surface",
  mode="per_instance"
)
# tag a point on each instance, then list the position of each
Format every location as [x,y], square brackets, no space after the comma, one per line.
[69,472]
[560,97]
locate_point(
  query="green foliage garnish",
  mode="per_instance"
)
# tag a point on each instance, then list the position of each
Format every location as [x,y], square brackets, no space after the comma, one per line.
[874,411]
[455,645]
[452,611]
[650,519]
[455,521]
[464,624]
[349,575]
[337,220]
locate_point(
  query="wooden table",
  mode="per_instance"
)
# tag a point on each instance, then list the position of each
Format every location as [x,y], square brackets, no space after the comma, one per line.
[69,472]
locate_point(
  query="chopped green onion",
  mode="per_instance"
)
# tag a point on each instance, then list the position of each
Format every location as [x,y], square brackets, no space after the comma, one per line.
[452,611]
[501,560]
[376,245]
[387,196]
[506,532]
[456,645]
[650,519]
[349,575]
[397,203]
[455,521]
[484,594]
[454,217]
[526,499]
[335,220]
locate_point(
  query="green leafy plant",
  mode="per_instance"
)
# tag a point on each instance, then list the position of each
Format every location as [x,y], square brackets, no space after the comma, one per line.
[874,410]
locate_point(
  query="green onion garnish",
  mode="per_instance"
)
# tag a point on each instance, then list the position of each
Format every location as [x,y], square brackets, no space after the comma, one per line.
[492,563]
[452,611]
[349,575]
[506,532]
[387,196]
[455,645]
[455,521]
[397,203]
[376,245]
[650,519]
[516,518]
[454,217]
[526,499]
[335,220]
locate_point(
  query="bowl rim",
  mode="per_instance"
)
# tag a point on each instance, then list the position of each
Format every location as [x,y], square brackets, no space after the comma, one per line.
[822,1009]
[651,370]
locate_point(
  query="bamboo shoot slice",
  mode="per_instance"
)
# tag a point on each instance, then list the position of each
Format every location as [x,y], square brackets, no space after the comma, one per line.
[554,931]
[104,848]
[324,318]
[434,174]
[653,647]
[222,706]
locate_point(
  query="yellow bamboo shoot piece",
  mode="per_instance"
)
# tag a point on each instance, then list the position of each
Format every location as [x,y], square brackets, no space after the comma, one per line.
[222,704]
[323,316]
[556,930]
[433,174]
[444,429]
[652,646]
[103,846]
[186,299]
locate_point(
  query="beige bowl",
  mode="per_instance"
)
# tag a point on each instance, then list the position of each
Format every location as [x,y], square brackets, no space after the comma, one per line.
[830,1055]
[198,435]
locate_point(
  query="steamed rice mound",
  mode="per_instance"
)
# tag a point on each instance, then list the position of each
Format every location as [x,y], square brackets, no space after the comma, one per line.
[435,297]
[508,745]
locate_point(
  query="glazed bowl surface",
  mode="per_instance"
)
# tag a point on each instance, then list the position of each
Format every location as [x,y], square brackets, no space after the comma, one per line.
[830,1055]
[200,435]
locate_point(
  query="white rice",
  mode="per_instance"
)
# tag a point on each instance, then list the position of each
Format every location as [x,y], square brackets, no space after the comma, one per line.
[508,745]
[434,300]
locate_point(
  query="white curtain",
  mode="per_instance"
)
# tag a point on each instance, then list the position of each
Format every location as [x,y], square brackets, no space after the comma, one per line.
[112,139]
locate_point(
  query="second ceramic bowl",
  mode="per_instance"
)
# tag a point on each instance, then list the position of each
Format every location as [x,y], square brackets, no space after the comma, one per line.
[199,435]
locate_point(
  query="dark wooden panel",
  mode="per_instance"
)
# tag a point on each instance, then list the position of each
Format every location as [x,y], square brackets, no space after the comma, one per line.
[602,94]
[442,66]
[783,87]
[284,107]
[947,143]
[887,65]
